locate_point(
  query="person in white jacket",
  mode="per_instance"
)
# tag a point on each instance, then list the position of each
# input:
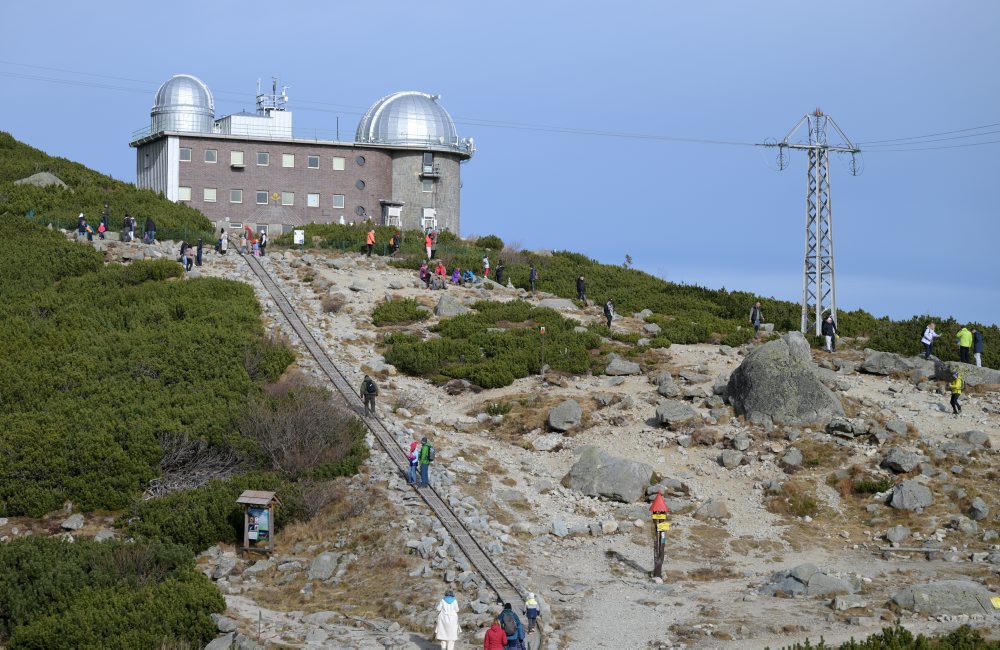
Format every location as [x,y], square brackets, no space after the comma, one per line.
[928,339]
[447,629]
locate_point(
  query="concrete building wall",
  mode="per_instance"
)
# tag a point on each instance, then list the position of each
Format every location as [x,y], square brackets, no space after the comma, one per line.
[408,187]
[153,166]
[375,172]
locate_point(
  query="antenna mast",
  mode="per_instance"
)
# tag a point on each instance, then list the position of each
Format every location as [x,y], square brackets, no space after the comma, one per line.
[819,288]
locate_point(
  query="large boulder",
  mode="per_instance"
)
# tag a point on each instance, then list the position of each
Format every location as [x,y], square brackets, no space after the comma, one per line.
[911,495]
[671,413]
[777,381]
[901,461]
[888,363]
[971,375]
[618,366]
[598,473]
[448,307]
[946,597]
[41,179]
[565,416]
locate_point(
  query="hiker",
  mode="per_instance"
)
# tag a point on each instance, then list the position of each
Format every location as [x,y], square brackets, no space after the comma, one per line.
[149,231]
[255,245]
[428,243]
[101,229]
[183,254]
[531,611]
[90,231]
[426,457]
[532,277]
[243,244]
[956,392]
[369,391]
[197,259]
[512,627]
[263,242]
[440,270]
[756,318]
[829,330]
[411,472]
[928,339]
[964,337]
[370,241]
[495,638]
[434,244]
[486,267]
[81,226]
[189,258]
[397,241]
[105,219]
[609,311]
[456,276]
[977,347]
[447,629]
[130,226]
[469,277]
[581,289]
[501,267]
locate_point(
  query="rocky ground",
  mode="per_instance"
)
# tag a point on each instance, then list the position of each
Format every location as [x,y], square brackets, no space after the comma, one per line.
[781,529]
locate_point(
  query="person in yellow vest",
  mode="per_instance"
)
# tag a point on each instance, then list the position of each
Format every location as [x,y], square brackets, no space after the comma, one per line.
[531,611]
[956,387]
[964,344]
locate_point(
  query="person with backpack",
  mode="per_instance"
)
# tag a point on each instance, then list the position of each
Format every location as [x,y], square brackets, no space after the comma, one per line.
[447,630]
[532,277]
[81,226]
[426,457]
[369,391]
[964,337]
[977,347]
[501,267]
[531,611]
[512,627]
[189,260]
[581,289]
[263,242]
[397,241]
[495,638]
[609,311]
[411,472]
[756,318]
[928,340]
[197,258]
[829,330]
[150,231]
[956,387]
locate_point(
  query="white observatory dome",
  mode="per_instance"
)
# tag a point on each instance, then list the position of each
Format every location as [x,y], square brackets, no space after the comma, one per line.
[409,118]
[183,103]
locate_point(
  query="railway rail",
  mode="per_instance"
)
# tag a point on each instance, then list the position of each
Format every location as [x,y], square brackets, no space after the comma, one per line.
[505,590]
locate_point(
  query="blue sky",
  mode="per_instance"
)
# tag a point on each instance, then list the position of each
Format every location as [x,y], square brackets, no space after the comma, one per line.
[916,233]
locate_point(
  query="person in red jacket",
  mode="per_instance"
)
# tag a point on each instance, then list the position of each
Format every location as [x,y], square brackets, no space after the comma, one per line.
[495,638]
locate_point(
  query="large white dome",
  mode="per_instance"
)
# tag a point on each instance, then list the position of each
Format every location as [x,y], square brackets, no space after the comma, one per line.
[409,118]
[183,103]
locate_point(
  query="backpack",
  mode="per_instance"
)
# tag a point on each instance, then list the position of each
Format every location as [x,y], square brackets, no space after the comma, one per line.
[430,453]
[370,387]
[509,624]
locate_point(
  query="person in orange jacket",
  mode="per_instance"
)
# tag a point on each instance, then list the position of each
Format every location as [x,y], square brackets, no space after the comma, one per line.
[428,244]
[495,638]
[371,240]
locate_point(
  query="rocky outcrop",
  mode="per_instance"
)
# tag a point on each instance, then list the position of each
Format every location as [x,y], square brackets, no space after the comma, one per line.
[597,473]
[806,579]
[618,366]
[971,375]
[911,495]
[671,413]
[946,597]
[448,307]
[778,382]
[565,416]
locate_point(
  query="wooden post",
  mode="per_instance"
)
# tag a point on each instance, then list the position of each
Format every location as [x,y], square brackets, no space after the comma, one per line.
[541,368]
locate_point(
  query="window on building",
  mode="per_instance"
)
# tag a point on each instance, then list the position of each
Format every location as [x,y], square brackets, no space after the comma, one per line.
[209,195]
[211,155]
[287,160]
[312,200]
[427,185]
[428,163]
[288,198]
[261,197]
[236,196]
[263,158]
[360,160]
[185,154]
[236,158]
[312,162]
[183,193]
[338,201]
[360,185]
[339,163]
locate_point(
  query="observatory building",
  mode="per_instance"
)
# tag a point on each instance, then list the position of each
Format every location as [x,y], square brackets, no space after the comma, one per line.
[401,169]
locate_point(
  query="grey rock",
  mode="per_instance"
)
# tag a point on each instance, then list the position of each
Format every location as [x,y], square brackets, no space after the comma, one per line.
[644,314]
[668,389]
[821,584]
[899,460]
[323,566]
[580,329]
[977,438]
[565,416]
[556,303]
[227,564]
[694,377]
[844,427]
[712,509]
[222,643]
[559,528]
[448,307]
[359,287]
[663,378]
[41,179]
[597,473]
[225,624]
[804,572]
[897,534]
[946,597]
[73,522]
[618,366]
[978,510]
[911,495]
[849,601]
[671,413]
[104,535]
[651,328]
[787,586]
[792,459]
[547,442]
[896,426]
[972,375]
[260,566]
[731,458]
[778,380]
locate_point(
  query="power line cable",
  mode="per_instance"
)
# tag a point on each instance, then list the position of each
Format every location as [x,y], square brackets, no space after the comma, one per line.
[930,135]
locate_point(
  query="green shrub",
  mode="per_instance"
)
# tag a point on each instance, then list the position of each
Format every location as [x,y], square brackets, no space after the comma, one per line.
[398,311]
[899,638]
[871,485]
[490,242]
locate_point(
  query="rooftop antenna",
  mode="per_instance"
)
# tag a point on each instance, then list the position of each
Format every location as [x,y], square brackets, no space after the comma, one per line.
[819,288]
[273,102]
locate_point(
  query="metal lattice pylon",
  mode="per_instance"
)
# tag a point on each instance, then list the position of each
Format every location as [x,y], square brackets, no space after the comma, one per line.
[819,286]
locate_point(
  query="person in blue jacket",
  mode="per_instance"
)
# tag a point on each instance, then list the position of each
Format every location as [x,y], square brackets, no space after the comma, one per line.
[977,346]
[512,627]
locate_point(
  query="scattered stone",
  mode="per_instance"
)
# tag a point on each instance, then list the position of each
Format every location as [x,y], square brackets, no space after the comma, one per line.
[448,307]
[946,597]
[73,522]
[978,510]
[559,528]
[547,442]
[896,426]
[618,366]
[597,473]
[712,509]
[651,328]
[323,566]
[977,438]
[897,534]
[900,461]
[565,416]
[792,460]
[104,535]
[730,458]
[821,584]
[849,601]
[671,413]
[911,495]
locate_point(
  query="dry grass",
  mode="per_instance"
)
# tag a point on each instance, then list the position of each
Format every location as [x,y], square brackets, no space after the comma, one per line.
[797,499]
[820,453]
[332,303]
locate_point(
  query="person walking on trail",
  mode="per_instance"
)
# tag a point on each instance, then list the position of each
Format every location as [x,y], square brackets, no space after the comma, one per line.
[829,330]
[756,318]
[263,242]
[609,311]
[447,629]
[512,627]
[411,472]
[105,220]
[197,258]
[956,386]
[495,638]
[501,267]
[130,226]
[371,240]
[428,244]
[964,337]
[581,289]
[977,347]
[426,457]
[149,231]
[81,226]
[369,391]
[486,267]
[532,277]
[189,258]
[531,611]
[928,339]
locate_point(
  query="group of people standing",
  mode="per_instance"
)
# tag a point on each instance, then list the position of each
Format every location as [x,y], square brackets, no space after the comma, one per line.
[190,256]
[970,343]
[506,633]
[84,229]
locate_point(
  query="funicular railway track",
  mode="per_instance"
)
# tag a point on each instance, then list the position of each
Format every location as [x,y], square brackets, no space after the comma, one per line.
[506,591]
